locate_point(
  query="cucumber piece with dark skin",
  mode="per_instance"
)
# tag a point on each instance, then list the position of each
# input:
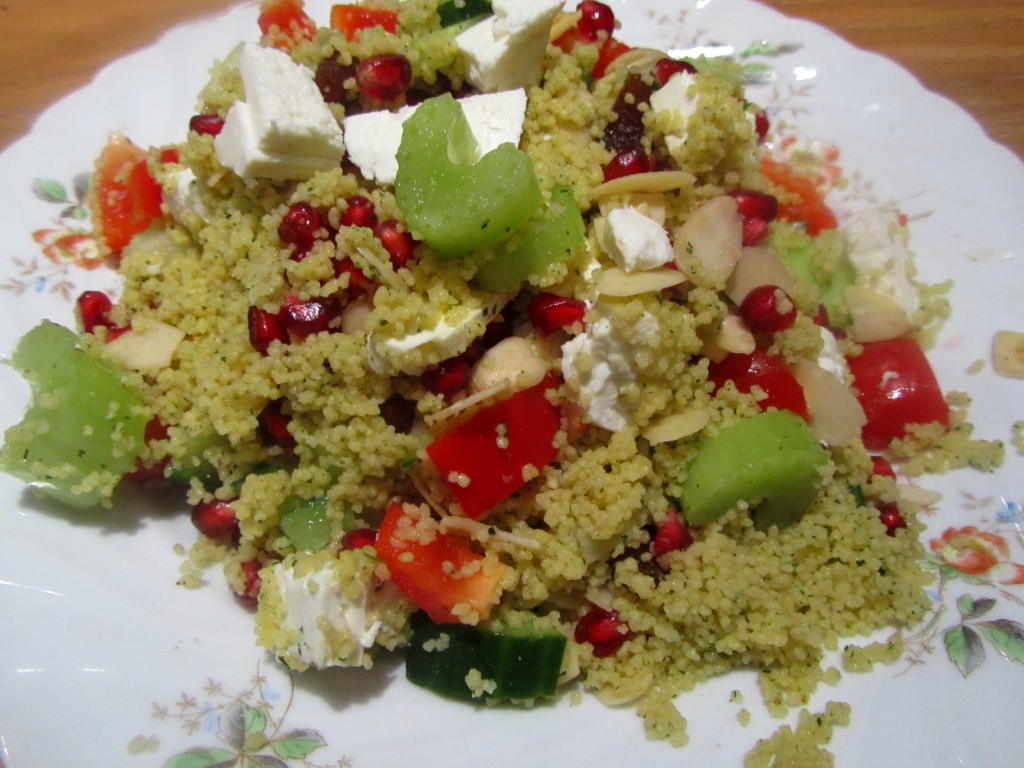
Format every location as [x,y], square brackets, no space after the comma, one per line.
[453,12]
[521,663]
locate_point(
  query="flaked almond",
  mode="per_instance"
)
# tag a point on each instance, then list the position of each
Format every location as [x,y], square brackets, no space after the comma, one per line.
[1008,354]
[758,266]
[617,282]
[709,243]
[836,416]
[676,426]
[875,316]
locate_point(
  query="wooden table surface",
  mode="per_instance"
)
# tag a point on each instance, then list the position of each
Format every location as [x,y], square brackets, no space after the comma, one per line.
[969,50]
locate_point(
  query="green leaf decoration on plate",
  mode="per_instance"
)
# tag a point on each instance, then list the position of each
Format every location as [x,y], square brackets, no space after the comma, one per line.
[297,745]
[964,648]
[50,191]
[202,758]
[1006,636]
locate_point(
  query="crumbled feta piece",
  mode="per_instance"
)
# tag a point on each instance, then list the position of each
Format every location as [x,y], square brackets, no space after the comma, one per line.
[878,251]
[830,358]
[506,50]
[183,198]
[673,106]
[325,625]
[450,336]
[372,138]
[610,352]
[284,128]
[634,241]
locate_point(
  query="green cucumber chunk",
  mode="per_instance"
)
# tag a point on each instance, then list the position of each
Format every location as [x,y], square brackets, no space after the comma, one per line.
[453,204]
[304,522]
[195,463]
[84,428]
[772,460]
[458,11]
[830,286]
[519,663]
[539,243]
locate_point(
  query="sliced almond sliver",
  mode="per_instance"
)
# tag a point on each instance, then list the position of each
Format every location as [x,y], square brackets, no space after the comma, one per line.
[875,316]
[658,181]
[1008,354]
[617,282]
[675,426]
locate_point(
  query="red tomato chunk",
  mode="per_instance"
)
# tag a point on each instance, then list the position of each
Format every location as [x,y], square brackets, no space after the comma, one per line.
[896,387]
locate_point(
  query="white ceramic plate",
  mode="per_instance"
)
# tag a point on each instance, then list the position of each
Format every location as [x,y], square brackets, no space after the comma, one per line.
[104,661]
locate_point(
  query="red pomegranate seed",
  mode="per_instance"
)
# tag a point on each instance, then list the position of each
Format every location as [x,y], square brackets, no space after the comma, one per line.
[384,77]
[251,572]
[665,68]
[768,309]
[215,519]
[206,124]
[265,327]
[273,425]
[447,377]
[300,226]
[359,538]
[155,430]
[757,205]
[549,312]
[628,162]
[359,212]
[672,536]
[170,155]
[357,281]
[603,629]
[596,19]
[303,318]
[881,466]
[754,231]
[94,308]
[396,241]
[891,518]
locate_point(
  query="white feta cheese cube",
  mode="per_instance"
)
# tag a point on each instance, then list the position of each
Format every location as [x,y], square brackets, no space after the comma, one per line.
[321,616]
[830,358]
[284,129]
[878,251]
[449,337]
[183,197]
[506,50]
[634,241]
[287,104]
[611,353]
[372,138]
[673,106]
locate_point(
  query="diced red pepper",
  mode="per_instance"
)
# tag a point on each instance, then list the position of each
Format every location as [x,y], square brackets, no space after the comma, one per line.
[127,197]
[810,208]
[285,23]
[352,19]
[483,459]
[770,374]
[897,387]
[437,572]
[610,51]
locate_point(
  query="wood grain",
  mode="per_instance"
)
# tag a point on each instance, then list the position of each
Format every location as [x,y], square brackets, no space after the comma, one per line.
[971,51]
